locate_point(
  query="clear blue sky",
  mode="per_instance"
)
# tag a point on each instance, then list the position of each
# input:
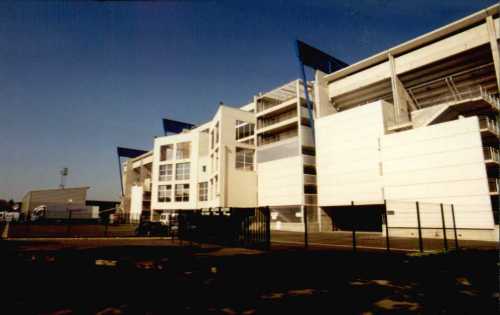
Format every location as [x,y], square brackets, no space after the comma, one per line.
[79,78]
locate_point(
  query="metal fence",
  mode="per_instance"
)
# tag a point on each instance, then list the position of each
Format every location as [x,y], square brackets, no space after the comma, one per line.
[391,226]
[70,225]
[245,227]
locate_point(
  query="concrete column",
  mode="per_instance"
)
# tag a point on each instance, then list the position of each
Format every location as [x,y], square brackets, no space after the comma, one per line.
[402,101]
[494,47]
[322,104]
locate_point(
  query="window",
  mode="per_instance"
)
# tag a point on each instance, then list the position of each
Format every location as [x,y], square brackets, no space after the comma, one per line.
[182,171]
[212,139]
[244,159]
[216,160]
[244,129]
[217,133]
[167,152]
[181,192]
[166,172]
[164,193]
[216,184]
[212,194]
[183,150]
[204,168]
[203,191]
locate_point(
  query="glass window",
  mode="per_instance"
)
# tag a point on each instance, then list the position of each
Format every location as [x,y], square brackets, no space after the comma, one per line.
[212,139]
[167,152]
[244,129]
[166,172]
[183,150]
[216,184]
[181,192]
[182,171]
[212,194]
[164,193]
[217,133]
[203,191]
[216,167]
[244,159]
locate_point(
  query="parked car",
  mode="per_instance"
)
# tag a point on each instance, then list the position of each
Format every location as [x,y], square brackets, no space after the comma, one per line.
[6,216]
[149,228]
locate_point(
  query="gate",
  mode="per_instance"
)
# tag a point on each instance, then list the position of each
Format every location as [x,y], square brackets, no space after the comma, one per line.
[245,227]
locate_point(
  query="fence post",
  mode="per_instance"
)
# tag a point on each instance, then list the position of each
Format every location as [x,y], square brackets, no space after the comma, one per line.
[268,227]
[420,241]
[454,227]
[353,226]
[69,222]
[106,224]
[445,240]
[386,227]
[304,213]
[28,222]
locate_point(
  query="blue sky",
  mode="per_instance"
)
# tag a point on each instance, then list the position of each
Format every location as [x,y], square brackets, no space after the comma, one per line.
[78,79]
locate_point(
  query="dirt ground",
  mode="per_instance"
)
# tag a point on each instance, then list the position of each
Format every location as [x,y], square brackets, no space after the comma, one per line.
[144,276]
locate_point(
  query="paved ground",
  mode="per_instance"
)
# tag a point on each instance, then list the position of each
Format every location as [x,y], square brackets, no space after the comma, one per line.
[159,276]
[371,241]
[73,230]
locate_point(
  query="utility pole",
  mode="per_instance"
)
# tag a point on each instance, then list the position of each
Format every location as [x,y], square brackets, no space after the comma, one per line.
[64,174]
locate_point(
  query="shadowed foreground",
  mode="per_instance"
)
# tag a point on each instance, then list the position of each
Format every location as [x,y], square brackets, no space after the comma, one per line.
[159,277]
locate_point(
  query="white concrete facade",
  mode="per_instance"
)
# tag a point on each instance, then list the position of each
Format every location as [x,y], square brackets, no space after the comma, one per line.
[417,123]
[211,175]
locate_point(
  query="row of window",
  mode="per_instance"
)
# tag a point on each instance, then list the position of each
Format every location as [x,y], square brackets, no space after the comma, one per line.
[181,192]
[244,129]
[214,136]
[244,161]
[182,172]
[183,151]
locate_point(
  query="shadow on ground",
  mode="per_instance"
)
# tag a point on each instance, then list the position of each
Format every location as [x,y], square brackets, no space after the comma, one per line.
[177,280]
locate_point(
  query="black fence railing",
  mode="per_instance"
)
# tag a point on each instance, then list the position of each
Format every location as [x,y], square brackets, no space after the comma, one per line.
[245,227]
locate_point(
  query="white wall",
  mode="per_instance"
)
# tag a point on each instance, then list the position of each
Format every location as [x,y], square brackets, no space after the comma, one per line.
[280,182]
[442,163]
[238,187]
[136,202]
[347,155]
[192,137]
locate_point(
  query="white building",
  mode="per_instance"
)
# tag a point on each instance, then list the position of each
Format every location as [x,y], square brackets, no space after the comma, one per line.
[210,166]
[418,122]
[415,123]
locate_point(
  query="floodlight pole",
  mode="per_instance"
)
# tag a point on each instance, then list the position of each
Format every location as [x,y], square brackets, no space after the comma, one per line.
[120,173]
[308,100]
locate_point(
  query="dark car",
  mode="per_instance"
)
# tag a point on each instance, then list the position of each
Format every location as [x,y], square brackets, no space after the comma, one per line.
[148,228]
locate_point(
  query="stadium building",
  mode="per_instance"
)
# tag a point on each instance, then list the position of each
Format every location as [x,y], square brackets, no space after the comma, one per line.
[415,123]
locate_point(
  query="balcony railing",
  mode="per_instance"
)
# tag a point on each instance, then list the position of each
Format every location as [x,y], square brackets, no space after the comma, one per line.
[491,154]
[276,119]
[487,124]
[495,102]
[264,104]
[493,185]
[263,140]
[309,159]
[309,179]
[146,186]
[456,87]
[310,199]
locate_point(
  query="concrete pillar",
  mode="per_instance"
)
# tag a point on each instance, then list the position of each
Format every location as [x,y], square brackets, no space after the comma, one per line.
[401,99]
[494,47]
[322,103]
